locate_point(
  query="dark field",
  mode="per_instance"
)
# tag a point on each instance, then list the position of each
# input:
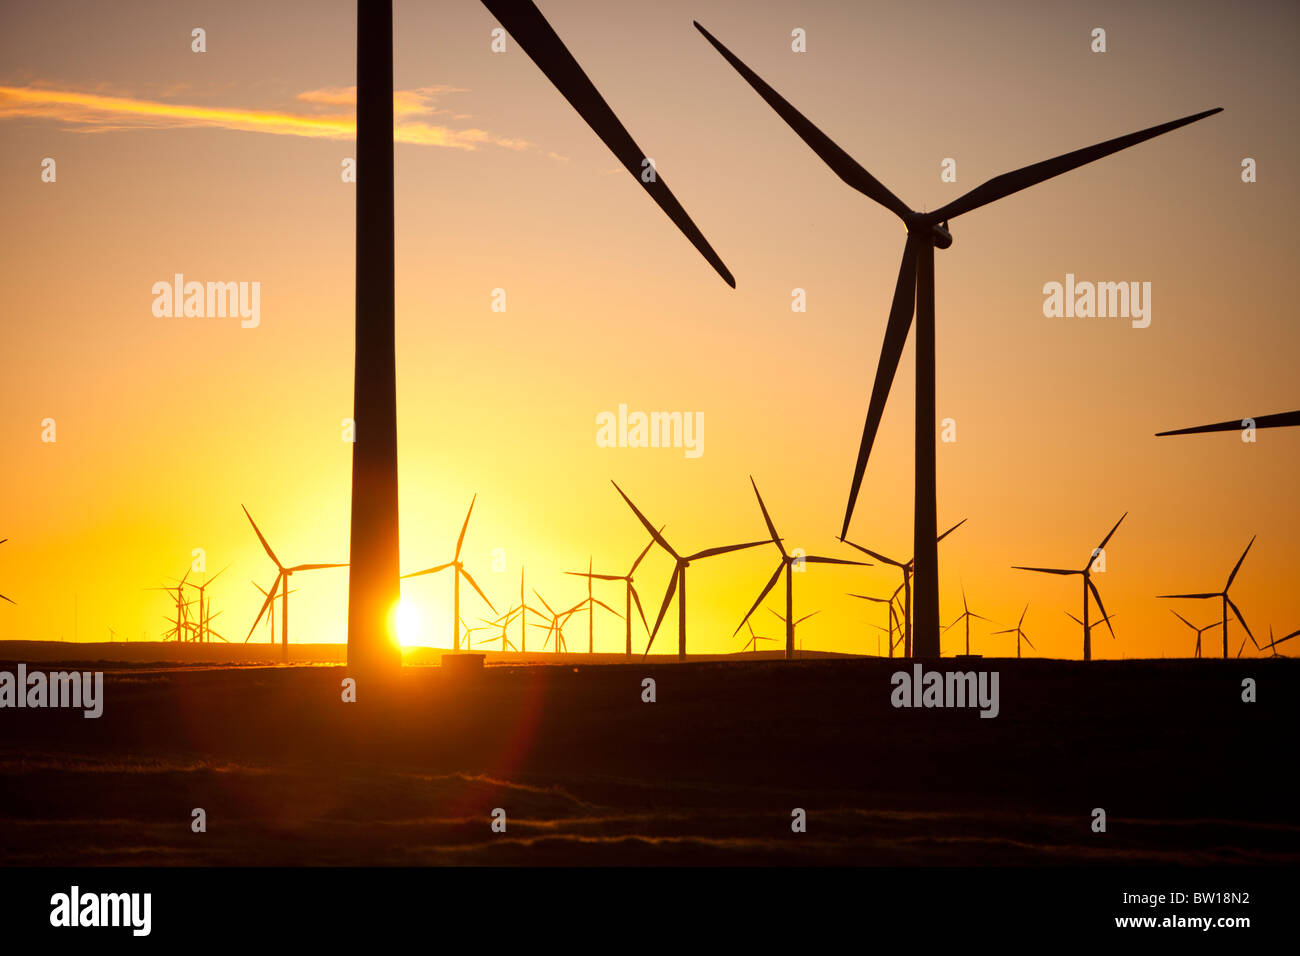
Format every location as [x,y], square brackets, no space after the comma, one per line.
[589,774]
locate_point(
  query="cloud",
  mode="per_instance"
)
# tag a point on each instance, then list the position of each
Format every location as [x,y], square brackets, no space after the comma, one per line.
[412,113]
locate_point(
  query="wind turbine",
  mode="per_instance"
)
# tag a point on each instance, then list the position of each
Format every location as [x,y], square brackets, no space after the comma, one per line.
[1274,642]
[1087,586]
[270,615]
[1278,420]
[204,629]
[459,572]
[1201,630]
[677,584]
[1019,631]
[373,585]
[590,605]
[629,594]
[523,618]
[181,621]
[282,582]
[786,564]
[752,643]
[1096,624]
[907,569]
[893,617]
[1226,602]
[556,627]
[503,622]
[789,629]
[10,600]
[967,615]
[914,292]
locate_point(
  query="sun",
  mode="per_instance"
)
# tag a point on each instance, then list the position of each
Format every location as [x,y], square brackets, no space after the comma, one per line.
[408,624]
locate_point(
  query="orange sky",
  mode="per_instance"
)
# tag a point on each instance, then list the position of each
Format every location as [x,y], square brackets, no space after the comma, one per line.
[224,166]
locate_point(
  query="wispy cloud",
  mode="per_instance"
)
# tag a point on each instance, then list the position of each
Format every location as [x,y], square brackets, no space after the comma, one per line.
[413,114]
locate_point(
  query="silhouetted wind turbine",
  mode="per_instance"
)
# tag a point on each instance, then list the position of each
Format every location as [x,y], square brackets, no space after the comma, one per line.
[282,581]
[914,292]
[1199,630]
[1019,631]
[181,621]
[1278,420]
[556,627]
[205,631]
[270,614]
[373,585]
[1274,642]
[503,622]
[457,574]
[907,568]
[677,584]
[1087,586]
[1095,624]
[629,594]
[752,643]
[9,599]
[590,604]
[790,626]
[967,615]
[893,617]
[1226,602]
[786,564]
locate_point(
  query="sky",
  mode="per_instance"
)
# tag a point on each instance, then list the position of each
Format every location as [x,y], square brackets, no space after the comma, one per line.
[225,166]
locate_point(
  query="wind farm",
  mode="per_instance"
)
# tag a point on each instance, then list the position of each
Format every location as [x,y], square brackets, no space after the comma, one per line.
[432,201]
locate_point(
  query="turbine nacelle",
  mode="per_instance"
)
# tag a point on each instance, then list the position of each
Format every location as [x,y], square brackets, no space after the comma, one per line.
[922,225]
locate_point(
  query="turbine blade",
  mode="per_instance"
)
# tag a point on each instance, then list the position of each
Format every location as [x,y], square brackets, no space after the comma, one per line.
[265,604]
[1018,567]
[474,584]
[663,543]
[433,570]
[806,616]
[1238,565]
[771,528]
[640,557]
[1102,607]
[713,552]
[1184,620]
[663,608]
[1237,611]
[10,600]
[843,165]
[261,538]
[532,32]
[461,539]
[891,350]
[1112,531]
[878,557]
[1001,186]
[771,583]
[608,608]
[1206,595]
[819,559]
[1279,420]
[637,598]
[1028,641]
[868,597]
[951,530]
[310,567]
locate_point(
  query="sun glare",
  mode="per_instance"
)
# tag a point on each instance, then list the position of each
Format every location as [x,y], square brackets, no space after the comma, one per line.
[408,624]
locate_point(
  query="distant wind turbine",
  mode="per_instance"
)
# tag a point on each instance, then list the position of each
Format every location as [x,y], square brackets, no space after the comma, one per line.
[967,615]
[270,612]
[787,564]
[629,593]
[1019,631]
[374,588]
[1094,625]
[907,568]
[1226,602]
[556,628]
[677,584]
[914,293]
[1199,630]
[503,622]
[893,616]
[752,643]
[1086,573]
[590,604]
[458,573]
[791,625]
[1274,642]
[282,582]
